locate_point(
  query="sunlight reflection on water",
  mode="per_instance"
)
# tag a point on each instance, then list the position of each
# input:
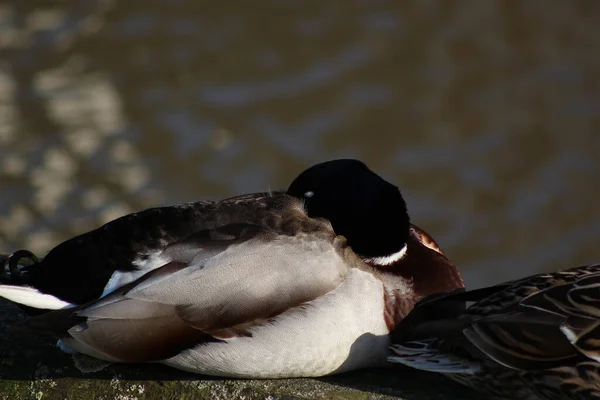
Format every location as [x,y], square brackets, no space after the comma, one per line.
[485,118]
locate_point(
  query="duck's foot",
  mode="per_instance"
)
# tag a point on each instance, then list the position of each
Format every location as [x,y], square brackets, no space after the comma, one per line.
[83,363]
[87,364]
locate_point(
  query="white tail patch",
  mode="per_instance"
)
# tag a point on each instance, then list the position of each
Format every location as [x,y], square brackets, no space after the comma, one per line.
[31,297]
[121,278]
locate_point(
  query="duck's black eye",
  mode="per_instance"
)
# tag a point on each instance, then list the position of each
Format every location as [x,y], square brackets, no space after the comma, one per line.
[309,194]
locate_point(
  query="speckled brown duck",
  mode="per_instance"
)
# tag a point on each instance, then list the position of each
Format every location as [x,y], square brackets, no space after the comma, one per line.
[530,339]
[305,282]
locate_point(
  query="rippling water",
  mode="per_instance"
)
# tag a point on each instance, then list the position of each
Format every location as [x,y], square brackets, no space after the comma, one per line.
[486,114]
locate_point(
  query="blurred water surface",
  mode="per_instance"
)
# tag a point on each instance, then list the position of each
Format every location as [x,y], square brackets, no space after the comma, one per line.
[485,113]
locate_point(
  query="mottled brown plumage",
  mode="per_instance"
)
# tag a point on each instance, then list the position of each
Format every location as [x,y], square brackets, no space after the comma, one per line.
[534,338]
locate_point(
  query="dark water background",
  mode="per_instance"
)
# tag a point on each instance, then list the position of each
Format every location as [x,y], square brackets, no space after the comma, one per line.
[485,113]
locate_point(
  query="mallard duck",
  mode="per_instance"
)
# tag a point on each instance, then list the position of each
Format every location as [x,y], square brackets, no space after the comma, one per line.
[534,338]
[303,282]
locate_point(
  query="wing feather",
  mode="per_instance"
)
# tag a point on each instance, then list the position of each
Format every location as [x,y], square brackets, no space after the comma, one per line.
[218,295]
[540,322]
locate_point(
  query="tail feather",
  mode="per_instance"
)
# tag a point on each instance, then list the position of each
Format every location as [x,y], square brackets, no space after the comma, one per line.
[32,297]
[14,267]
[14,270]
[421,355]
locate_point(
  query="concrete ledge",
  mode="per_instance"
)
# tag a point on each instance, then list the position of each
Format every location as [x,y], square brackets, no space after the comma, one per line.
[32,367]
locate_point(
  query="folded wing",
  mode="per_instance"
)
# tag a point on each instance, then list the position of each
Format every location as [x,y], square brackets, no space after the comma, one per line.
[535,323]
[219,294]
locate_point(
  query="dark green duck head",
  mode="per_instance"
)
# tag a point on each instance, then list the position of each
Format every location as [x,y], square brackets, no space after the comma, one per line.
[360,205]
